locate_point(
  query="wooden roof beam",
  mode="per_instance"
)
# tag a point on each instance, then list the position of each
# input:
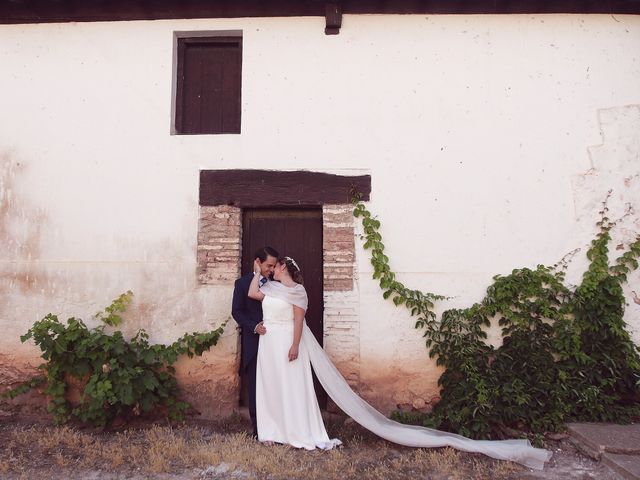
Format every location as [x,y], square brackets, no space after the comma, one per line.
[333,18]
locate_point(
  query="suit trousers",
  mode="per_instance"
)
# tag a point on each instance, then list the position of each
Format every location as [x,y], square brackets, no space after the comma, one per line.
[250,379]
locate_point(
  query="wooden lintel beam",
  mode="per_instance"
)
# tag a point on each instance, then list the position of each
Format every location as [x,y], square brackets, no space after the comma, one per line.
[271,188]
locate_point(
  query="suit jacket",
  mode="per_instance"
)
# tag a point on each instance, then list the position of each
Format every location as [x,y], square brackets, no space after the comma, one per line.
[247,313]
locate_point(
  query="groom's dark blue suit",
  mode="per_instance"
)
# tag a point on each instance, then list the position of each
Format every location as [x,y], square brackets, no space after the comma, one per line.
[247,312]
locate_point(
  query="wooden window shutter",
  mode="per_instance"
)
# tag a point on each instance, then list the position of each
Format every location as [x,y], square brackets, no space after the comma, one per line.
[208,93]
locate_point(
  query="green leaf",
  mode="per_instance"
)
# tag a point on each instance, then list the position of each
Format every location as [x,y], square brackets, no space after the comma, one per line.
[398,300]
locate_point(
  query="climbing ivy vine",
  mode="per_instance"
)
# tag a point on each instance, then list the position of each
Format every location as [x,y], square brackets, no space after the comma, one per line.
[118,377]
[565,354]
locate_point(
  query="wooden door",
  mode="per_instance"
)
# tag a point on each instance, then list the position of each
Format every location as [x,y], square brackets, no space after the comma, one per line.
[297,234]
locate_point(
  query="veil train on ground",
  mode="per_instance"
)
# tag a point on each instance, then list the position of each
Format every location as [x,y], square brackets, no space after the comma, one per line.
[338,389]
[336,386]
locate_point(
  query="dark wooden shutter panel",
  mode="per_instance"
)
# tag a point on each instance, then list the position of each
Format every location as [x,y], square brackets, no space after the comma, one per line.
[209,85]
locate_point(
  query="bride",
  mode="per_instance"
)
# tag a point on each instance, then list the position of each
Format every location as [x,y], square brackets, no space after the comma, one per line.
[287,409]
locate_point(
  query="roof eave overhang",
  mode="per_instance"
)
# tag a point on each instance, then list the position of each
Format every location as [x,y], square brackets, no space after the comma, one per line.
[54,11]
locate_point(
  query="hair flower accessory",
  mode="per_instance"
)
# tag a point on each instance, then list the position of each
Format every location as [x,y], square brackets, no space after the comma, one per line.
[293,262]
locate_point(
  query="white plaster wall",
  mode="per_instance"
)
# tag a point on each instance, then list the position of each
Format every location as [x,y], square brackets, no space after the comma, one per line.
[474,128]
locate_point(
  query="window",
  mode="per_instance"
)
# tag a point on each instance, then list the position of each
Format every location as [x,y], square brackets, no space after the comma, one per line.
[208,86]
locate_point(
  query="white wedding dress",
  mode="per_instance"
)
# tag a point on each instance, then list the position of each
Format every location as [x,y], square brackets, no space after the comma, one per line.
[287,409]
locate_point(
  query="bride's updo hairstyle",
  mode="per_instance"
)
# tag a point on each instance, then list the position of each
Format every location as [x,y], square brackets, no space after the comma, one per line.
[292,268]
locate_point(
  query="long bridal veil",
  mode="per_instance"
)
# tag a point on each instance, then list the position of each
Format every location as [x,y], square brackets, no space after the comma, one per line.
[338,389]
[336,386]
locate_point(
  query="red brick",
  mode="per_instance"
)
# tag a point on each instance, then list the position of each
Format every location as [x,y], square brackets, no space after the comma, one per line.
[338,285]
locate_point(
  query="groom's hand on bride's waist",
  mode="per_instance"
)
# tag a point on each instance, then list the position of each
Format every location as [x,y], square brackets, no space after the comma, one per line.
[260,329]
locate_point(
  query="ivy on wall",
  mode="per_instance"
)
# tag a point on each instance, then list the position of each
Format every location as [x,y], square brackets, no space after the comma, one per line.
[565,355]
[119,377]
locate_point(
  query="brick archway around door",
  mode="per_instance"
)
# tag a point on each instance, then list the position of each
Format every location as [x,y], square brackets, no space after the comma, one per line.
[223,195]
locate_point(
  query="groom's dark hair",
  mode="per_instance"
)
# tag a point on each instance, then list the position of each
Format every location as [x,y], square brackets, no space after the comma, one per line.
[263,252]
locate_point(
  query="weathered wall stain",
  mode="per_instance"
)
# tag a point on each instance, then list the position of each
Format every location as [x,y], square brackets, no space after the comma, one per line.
[411,385]
[167,302]
[20,230]
[210,383]
[13,371]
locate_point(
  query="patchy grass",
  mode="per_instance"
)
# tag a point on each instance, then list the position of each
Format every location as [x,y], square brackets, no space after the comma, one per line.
[187,450]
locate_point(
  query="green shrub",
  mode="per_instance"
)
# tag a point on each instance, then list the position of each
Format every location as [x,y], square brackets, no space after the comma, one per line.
[565,355]
[119,377]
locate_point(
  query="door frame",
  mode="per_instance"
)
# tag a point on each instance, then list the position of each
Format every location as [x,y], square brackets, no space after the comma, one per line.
[224,193]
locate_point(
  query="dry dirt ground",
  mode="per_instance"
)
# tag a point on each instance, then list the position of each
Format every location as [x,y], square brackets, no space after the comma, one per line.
[222,450]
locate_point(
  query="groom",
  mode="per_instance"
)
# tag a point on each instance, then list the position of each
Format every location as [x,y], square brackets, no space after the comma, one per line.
[248,315]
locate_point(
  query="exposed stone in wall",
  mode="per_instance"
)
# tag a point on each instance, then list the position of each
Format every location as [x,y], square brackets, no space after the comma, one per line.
[390,388]
[219,247]
[341,298]
[339,248]
[211,383]
[342,333]
[14,371]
